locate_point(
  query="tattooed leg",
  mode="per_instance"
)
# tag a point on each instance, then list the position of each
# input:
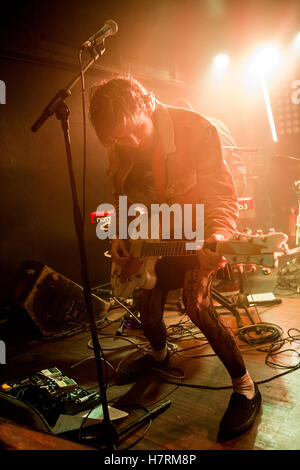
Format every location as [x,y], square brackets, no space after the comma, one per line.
[196,297]
[151,306]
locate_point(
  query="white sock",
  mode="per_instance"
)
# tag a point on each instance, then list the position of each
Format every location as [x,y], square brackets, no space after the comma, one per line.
[244,385]
[160,355]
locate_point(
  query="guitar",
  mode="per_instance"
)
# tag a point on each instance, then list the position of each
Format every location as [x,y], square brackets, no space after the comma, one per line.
[139,271]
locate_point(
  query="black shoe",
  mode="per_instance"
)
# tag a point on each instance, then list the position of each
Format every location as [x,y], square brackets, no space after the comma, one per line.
[141,365]
[239,416]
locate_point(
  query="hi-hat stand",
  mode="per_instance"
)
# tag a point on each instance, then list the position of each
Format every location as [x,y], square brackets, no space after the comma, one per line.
[297,190]
[240,300]
[297,241]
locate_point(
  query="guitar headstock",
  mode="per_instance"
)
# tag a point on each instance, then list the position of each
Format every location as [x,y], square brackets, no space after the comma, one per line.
[267,260]
[271,241]
[259,249]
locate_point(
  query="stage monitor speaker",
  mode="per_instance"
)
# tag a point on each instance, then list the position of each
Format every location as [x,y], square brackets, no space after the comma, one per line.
[54,302]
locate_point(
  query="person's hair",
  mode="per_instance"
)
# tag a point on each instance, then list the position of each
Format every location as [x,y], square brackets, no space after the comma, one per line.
[115,102]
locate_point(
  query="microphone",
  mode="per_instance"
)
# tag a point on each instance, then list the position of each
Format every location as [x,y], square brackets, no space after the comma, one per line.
[109,29]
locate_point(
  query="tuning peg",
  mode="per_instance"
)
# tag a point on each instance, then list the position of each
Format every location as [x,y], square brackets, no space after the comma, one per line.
[252,268]
[271,230]
[240,268]
[259,232]
[266,271]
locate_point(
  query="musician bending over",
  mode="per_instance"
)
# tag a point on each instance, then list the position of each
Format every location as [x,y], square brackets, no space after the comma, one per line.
[157,154]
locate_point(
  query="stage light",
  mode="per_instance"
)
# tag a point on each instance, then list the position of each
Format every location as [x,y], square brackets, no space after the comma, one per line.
[221,61]
[269,109]
[266,59]
[297,39]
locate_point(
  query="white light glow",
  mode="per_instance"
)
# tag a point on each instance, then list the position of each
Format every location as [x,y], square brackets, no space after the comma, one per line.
[297,39]
[265,60]
[221,61]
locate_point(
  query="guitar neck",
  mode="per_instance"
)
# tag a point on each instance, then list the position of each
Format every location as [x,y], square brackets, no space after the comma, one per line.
[239,249]
[173,248]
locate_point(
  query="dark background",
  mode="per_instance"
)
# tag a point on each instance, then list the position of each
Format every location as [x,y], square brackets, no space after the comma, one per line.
[169,46]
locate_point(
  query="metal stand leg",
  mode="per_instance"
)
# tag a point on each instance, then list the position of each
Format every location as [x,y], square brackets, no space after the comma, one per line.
[228,305]
[298,224]
[297,190]
[240,302]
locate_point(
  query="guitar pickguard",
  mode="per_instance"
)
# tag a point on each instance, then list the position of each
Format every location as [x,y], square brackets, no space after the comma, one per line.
[132,275]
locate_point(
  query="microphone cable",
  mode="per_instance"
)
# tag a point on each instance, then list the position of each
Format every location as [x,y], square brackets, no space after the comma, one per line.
[84,158]
[82,80]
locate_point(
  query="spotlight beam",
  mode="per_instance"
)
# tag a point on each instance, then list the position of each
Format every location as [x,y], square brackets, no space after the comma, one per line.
[269,108]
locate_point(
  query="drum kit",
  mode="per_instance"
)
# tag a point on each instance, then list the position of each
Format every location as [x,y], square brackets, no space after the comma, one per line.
[297,190]
[288,276]
[249,204]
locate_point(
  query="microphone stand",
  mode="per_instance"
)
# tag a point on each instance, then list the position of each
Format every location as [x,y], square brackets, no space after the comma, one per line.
[58,106]
[64,93]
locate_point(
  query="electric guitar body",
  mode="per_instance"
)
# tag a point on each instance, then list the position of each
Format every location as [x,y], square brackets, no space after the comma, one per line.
[135,274]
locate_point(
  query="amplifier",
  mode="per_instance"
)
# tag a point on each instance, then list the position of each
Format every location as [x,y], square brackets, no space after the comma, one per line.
[54,302]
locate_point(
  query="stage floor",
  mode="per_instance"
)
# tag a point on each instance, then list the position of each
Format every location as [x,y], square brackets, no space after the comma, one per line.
[195,381]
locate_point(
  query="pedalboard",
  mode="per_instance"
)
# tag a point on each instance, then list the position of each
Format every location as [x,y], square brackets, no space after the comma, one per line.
[52,394]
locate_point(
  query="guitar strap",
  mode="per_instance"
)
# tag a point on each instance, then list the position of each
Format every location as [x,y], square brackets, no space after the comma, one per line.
[165,147]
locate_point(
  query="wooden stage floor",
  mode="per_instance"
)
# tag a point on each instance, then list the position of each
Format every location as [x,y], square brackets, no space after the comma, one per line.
[195,381]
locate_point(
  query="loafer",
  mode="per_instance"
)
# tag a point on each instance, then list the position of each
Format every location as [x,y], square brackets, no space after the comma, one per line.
[240,415]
